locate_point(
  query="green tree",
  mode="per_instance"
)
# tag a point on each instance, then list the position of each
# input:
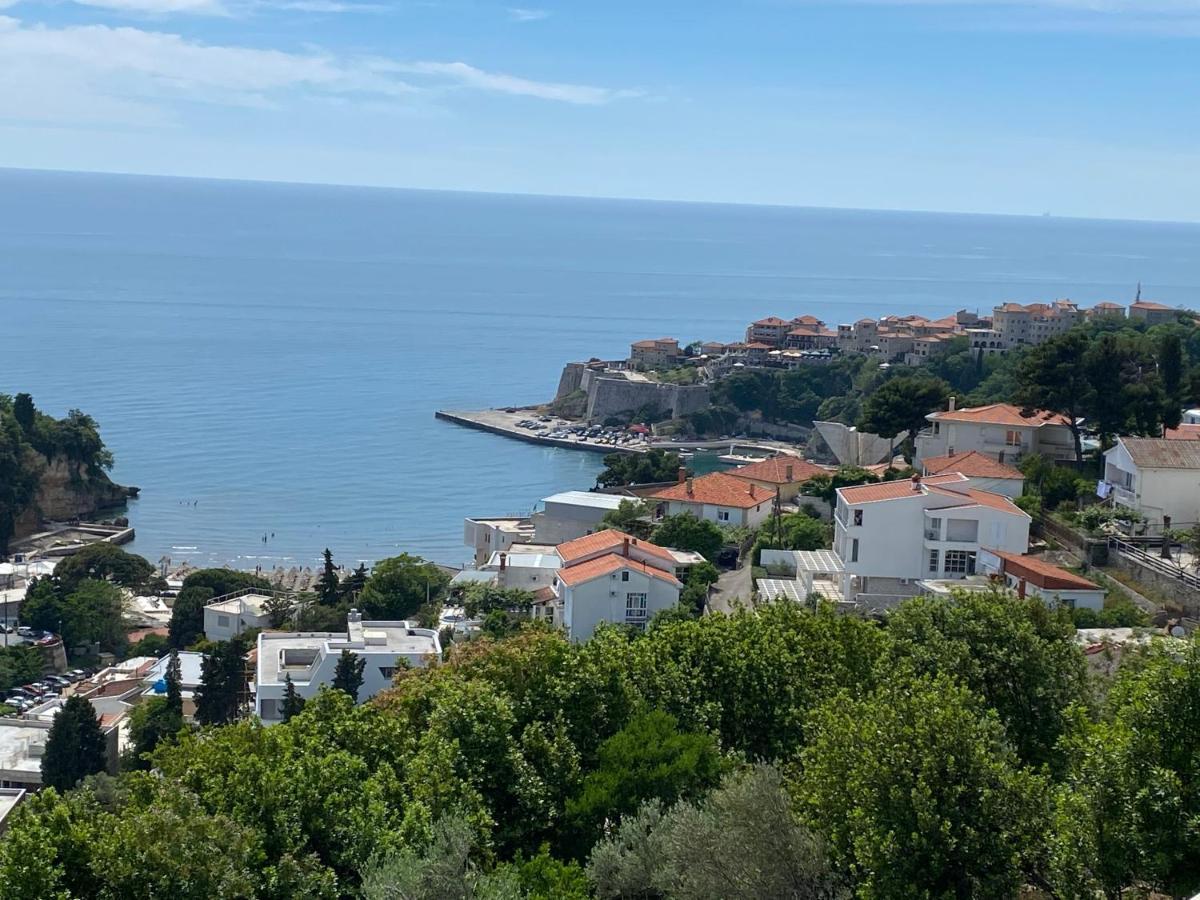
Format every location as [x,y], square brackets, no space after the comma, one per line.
[222,683]
[279,608]
[443,870]
[187,616]
[825,487]
[19,664]
[94,613]
[741,842]
[1126,812]
[354,582]
[103,562]
[696,587]
[224,581]
[348,676]
[293,703]
[24,412]
[151,722]
[631,517]
[919,793]
[685,531]
[174,680]
[1054,376]
[1171,371]
[329,585]
[401,585]
[901,404]
[1016,654]
[649,758]
[653,466]
[75,746]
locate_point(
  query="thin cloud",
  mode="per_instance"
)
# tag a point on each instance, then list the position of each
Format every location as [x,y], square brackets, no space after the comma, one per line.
[498,82]
[524,14]
[140,76]
[160,7]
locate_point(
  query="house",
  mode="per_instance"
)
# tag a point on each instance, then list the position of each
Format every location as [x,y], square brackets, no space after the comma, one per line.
[1152,313]
[191,667]
[610,577]
[1033,577]
[718,497]
[23,740]
[487,535]
[784,474]
[654,353]
[309,659]
[1157,477]
[771,331]
[525,568]
[999,430]
[985,473]
[1106,308]
[233,614]
[890,534]
[572,514]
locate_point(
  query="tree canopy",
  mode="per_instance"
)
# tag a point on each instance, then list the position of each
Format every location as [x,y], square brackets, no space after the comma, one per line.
[685,531]
[75,747]
[653,466]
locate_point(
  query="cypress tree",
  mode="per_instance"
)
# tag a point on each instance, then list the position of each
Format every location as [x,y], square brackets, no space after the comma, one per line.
[174,683]
[327,587]
[293,703]
[222,677]
[348,676]
[75,746]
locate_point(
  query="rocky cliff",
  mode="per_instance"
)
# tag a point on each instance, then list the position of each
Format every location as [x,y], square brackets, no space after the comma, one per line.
[68,491]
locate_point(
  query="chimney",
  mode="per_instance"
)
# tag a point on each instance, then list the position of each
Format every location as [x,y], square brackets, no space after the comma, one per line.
[503,561]
[354,616]
[682,474]
[787,473]
[916,482]
[689,487]
[752,489]
[625,547]
[953,400]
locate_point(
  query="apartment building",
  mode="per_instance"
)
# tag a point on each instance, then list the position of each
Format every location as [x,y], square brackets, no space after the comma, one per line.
[655,353]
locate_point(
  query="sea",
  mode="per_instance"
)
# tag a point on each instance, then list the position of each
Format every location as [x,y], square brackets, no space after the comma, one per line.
[265,359]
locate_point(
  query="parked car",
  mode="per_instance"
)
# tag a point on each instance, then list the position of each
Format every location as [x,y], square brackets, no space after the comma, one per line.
[76,675]
[25,631]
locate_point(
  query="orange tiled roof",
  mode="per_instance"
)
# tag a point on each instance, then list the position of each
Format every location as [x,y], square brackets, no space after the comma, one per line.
[1107,304]
[1001,414]
[717,489]
[892,490]
[1042,573]
[1149,304]
[807,320]
[609,539]
[973,464]
[772,321]
[757,345]
[804,329]
[775,470]
[1183,433]
[606,565]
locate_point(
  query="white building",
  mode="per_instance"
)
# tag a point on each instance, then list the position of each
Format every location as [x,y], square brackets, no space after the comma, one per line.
[529,570]
[889,535]
[191,667]
[1033,577]
[572,514]
[233,614]
[1157,477]
[985,473]
[610,577]
[310,659]
[997,431]
[718,497]
[486,536]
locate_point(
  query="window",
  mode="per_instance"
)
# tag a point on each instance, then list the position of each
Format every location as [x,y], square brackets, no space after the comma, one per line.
[635,609]
[960,562]
[854,550]
[722,515]
[222,621]
[933,562]
[625,576]
[387,671]
[933,531]
[269,710]
[1012,439]
[858,513]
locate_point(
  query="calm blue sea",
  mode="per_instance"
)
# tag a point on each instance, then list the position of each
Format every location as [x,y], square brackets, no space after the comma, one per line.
[267,358]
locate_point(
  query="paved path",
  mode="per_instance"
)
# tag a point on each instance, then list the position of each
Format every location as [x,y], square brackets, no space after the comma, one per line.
[731,586]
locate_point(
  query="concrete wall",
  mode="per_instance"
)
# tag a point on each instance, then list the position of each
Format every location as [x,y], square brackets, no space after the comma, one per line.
[851,447]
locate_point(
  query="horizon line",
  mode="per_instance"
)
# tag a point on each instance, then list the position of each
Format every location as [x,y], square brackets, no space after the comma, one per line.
[596,197]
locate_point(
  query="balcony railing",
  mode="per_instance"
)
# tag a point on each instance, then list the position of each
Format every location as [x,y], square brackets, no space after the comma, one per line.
[1125,497]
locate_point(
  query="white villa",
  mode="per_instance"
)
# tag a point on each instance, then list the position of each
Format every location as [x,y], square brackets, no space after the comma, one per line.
[1157,477]
[889,535]
[310,659]
[231,615]
[998,431]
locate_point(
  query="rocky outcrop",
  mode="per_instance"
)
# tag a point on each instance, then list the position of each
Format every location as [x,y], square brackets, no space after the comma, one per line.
[69,491]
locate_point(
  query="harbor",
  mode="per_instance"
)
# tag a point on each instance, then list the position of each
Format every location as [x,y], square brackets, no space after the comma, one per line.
[554,431]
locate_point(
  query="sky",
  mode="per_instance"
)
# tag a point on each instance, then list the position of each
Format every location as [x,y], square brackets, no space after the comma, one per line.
[1074,107]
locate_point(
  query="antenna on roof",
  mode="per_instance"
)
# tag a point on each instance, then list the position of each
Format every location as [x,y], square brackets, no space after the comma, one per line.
[1139,293]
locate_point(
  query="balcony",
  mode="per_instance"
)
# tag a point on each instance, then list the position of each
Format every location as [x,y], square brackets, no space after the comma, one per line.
[1124,497]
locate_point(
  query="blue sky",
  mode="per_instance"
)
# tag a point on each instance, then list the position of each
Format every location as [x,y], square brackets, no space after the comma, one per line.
[1078,107]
